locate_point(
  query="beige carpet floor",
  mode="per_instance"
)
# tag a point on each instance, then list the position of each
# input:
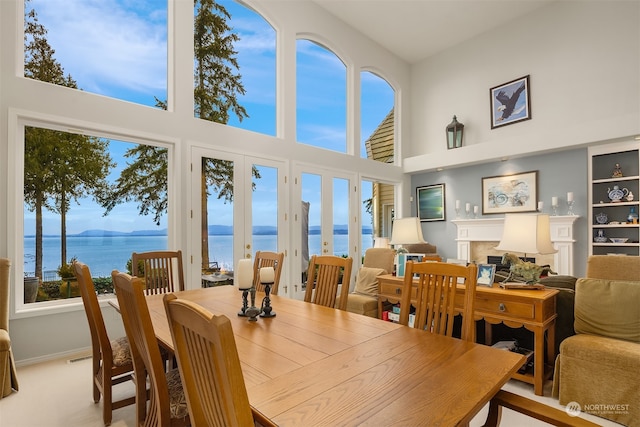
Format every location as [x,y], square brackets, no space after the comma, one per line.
[58,394]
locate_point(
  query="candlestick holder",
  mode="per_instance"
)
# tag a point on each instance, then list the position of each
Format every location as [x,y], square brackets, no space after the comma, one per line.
[570,211]
[458,212]
[554,210]
[267,310]
[245,303]
[252,312]
[468,213]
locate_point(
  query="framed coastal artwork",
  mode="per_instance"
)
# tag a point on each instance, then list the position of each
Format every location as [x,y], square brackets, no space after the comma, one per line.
[430,202]
[510,102]
[510,193]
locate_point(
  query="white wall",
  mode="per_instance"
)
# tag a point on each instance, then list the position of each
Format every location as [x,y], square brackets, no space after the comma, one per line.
[584,61]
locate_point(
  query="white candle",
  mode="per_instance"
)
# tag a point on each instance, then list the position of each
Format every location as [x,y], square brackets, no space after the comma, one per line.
[457,204]
[467,207]
[267,275]
[570,196]
[244,274]
[540,205]
[554,201]
[475,209]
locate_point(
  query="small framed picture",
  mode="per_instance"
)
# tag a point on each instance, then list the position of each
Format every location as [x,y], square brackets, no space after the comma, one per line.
[510,102]
[430,202]
[402,261]
[486,273]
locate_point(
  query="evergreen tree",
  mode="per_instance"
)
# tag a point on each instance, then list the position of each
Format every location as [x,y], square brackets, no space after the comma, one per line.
[216,87]
[59,167]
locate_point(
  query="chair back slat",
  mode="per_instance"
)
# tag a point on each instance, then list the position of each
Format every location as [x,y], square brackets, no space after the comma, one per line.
[325,276]
[268,259]
[147,360]
[163,271]
[437,285]
[209,365]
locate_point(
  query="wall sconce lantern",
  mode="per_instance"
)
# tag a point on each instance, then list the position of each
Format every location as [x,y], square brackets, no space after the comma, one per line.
[455,130]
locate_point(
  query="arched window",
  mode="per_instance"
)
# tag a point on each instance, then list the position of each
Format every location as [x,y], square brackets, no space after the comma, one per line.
[251,65]
[377,121]
[321,97]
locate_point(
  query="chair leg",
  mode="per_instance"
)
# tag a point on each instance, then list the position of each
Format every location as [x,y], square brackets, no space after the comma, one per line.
[494,416]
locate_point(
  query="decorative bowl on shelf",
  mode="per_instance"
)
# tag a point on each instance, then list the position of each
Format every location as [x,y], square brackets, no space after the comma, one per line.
[602,218]
[618,239]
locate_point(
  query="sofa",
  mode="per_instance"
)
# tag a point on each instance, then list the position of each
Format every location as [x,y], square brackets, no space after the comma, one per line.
[598,368]
[8,378]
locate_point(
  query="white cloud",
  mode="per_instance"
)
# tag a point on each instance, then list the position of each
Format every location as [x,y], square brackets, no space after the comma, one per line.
[100,43]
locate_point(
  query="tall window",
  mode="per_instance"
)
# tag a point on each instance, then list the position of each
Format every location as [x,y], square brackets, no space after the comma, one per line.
[115,48]
[91,199]
[377,118]
[321,97]
[234,66]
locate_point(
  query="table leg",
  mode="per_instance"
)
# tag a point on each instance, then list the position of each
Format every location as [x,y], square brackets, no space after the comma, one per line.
[538,361]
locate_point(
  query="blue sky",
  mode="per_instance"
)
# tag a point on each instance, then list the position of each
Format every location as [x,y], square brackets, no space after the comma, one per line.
[118,48]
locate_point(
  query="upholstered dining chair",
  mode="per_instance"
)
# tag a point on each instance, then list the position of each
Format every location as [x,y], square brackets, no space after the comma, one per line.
[325,274]
[209,367]
[167,404]
[112,363]
[267,259]
[436,294]
[162,271]
[8,377]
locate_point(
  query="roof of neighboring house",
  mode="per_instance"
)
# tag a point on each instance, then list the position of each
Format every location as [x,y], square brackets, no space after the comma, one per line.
[380,144]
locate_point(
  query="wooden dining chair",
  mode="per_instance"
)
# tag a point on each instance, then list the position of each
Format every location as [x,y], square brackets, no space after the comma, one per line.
[111,360]
[209,366]
[325,274]
[267,259]
[436,294]
[167,405]
[162,271]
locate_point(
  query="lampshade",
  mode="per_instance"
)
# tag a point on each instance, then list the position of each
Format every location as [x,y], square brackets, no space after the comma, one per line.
[381,242]
[267,275]
[244,274]
[406,231]
[530,234]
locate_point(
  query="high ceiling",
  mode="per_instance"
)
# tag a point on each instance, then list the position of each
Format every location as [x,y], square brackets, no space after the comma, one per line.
[417,29]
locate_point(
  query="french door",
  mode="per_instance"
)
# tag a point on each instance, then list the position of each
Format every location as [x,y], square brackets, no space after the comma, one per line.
[326,219]
[239,207]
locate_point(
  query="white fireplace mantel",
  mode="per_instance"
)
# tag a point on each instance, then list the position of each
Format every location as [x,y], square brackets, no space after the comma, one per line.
[490,230]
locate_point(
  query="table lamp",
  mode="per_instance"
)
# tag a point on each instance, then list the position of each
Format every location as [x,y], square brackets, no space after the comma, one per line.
[405,231]
[267,278]
[528,234]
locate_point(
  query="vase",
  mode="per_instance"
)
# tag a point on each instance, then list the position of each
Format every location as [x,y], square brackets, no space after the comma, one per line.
[632,218]
[31,289]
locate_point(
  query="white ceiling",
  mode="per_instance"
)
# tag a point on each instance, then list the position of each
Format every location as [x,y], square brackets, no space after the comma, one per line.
[417,29]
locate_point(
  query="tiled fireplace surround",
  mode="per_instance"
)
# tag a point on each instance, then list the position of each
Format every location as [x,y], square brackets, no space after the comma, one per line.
[477,239]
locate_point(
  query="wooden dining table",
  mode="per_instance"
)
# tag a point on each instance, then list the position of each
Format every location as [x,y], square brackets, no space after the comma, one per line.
[317,366]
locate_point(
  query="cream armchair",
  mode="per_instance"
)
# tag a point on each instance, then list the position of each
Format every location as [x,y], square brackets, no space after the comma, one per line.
[598,367]
[364,298]
[8,378]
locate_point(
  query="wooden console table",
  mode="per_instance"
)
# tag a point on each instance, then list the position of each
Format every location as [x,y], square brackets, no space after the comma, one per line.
[533,309]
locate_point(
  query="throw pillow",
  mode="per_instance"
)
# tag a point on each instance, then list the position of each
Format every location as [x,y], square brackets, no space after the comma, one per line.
[367,280]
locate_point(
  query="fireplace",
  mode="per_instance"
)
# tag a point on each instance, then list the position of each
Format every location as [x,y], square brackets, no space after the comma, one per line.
[477,239]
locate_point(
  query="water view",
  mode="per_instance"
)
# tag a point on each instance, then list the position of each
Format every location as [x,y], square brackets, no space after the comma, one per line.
[106,253]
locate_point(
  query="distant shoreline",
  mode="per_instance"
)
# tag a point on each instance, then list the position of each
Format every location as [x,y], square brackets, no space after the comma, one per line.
[214,230]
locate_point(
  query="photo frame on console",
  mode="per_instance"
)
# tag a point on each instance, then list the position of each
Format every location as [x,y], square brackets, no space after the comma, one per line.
[510,193]
[402,261]
[486,274]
